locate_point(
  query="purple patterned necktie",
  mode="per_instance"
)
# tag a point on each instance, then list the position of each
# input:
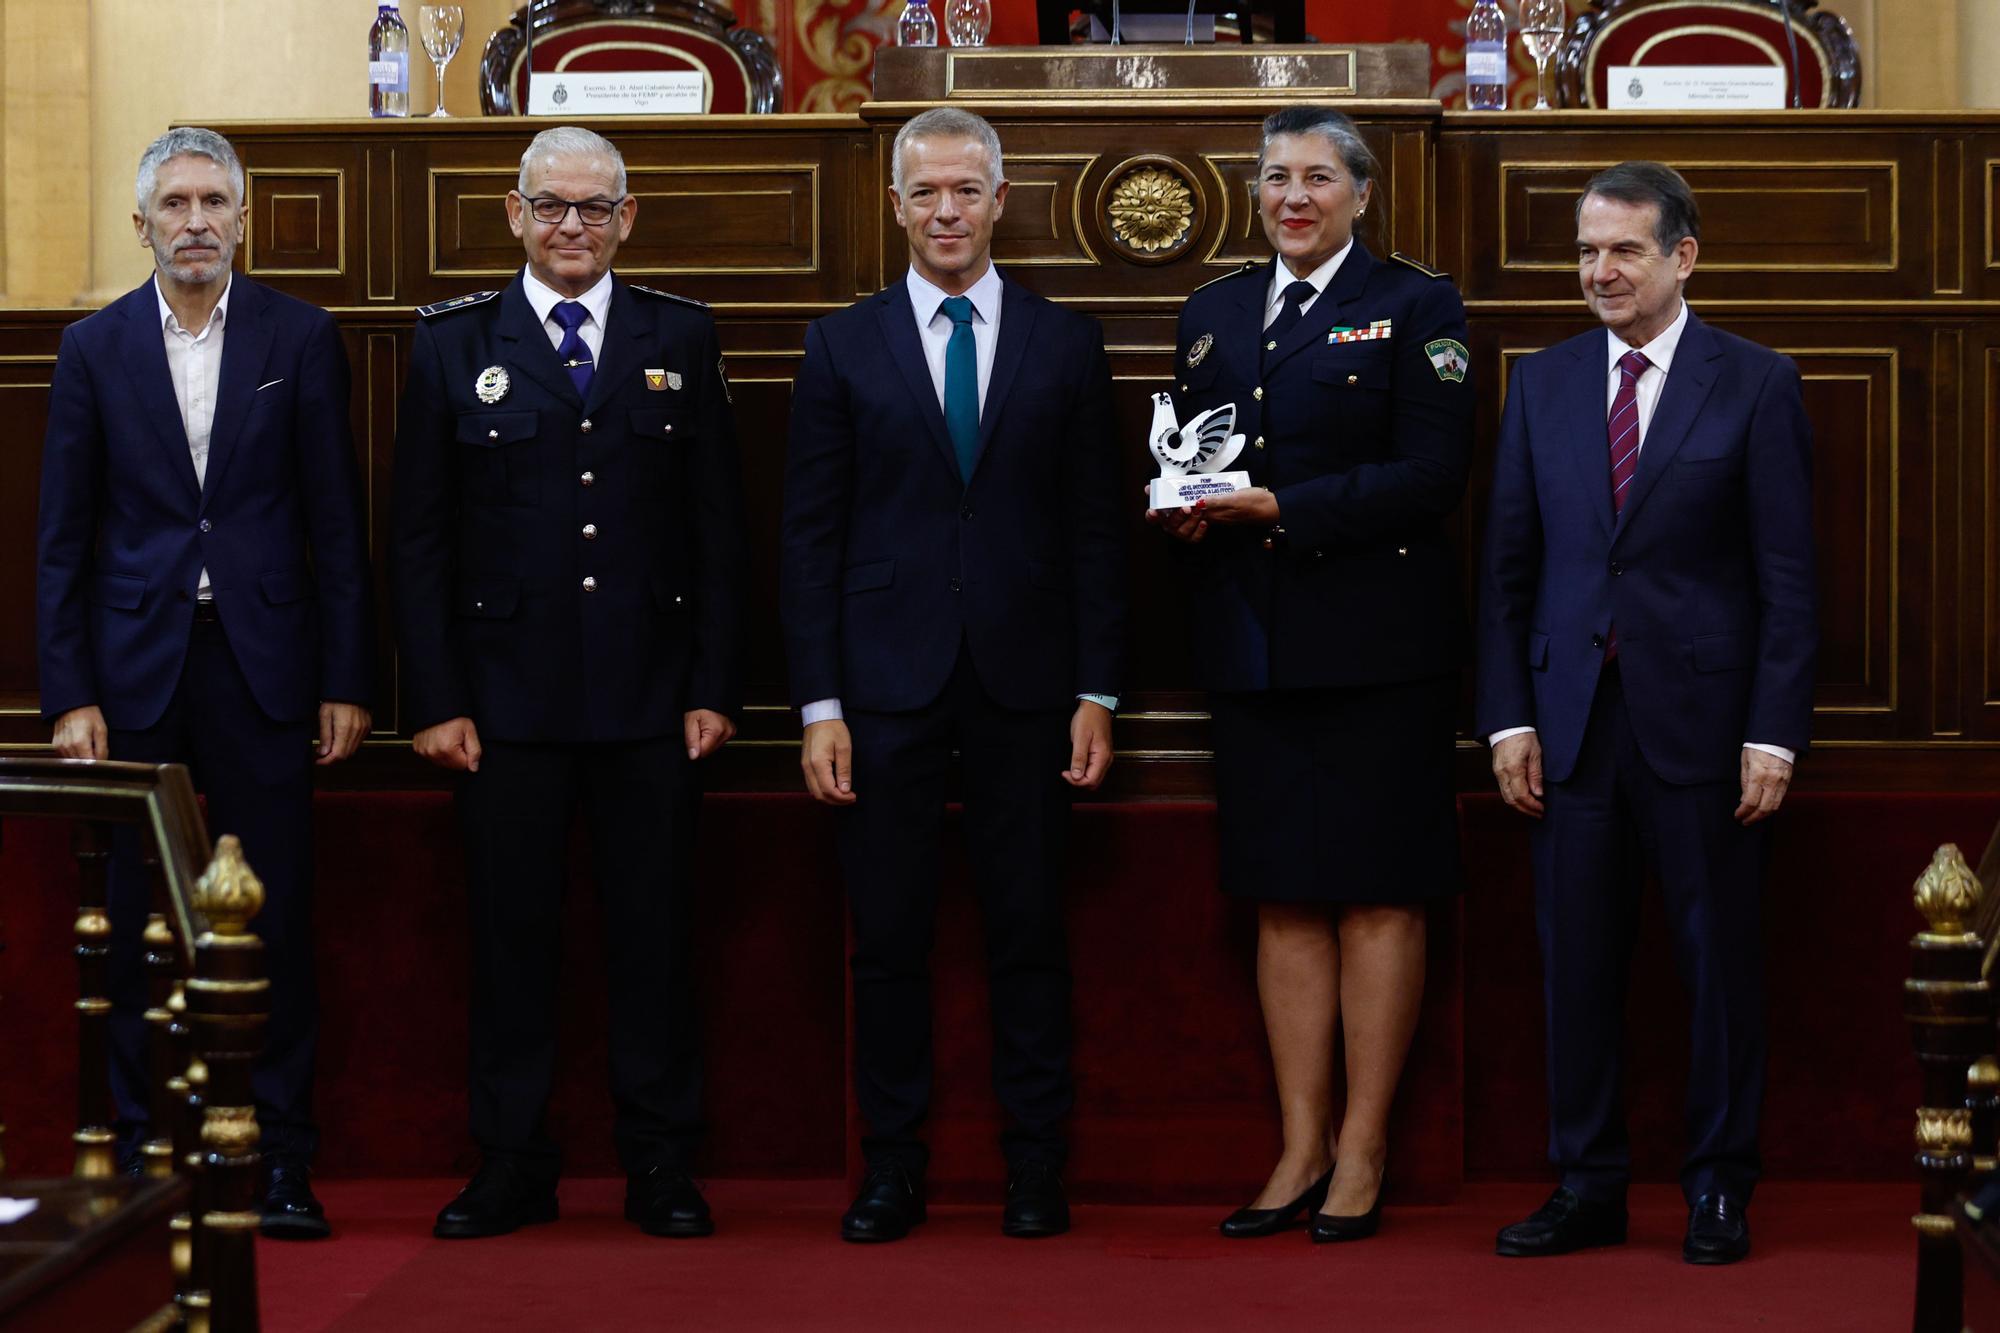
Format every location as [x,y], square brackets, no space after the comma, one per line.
[574,352]
[1622,430]
[1623,427]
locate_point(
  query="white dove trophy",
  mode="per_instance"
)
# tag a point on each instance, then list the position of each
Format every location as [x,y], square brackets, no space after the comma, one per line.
[1192,457]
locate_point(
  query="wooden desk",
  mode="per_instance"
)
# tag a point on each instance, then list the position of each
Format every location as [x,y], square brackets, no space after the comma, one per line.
[96,1254]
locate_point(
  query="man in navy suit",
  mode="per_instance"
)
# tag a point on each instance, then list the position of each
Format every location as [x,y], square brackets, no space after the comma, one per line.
[203,595]
[1647,633]
[953,577]
[568,563]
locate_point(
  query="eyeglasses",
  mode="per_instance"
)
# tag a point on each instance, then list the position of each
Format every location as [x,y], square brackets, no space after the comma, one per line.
[551,211]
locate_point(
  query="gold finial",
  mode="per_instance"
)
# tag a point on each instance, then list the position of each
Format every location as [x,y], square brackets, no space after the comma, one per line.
[1943,1130]
[228,893]
[1948,894]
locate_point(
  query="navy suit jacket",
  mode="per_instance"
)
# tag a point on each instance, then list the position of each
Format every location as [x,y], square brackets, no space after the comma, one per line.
[503,509]
[1366,447]
[1708,572]
[125,528]
[891,561]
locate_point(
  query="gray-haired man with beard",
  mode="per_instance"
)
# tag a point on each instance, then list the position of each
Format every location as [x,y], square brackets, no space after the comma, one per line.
[203,597]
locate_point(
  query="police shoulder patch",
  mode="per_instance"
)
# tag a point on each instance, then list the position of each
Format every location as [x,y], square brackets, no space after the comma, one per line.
[1418,265]
[1249,266]
[456,303]
[668,296]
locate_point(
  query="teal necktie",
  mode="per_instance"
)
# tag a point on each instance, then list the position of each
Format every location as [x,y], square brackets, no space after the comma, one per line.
[961,385]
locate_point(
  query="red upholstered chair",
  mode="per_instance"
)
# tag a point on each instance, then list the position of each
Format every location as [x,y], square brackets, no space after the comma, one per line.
[617,36]
[1709,32]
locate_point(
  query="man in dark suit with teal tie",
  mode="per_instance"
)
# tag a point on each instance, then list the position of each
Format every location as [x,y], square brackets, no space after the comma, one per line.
[953,578]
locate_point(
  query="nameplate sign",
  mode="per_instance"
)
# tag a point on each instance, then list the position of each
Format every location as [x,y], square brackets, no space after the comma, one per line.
[1697,88]
[649,92]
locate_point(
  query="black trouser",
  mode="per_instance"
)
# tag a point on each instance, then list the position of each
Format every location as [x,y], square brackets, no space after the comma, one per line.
[1016,819]
[257,776]
[638,801]
[1612,818]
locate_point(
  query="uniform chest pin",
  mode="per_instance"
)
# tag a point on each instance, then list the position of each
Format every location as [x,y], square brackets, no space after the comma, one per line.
[492,385]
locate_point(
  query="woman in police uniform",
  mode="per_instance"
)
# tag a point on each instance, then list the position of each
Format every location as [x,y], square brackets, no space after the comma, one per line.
[1327,628]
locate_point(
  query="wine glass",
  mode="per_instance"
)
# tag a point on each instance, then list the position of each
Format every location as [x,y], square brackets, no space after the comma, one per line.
[1541,32]
[442,28]
[968,21]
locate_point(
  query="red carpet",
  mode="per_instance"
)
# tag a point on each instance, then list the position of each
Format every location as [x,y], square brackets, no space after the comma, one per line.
[1827,1256]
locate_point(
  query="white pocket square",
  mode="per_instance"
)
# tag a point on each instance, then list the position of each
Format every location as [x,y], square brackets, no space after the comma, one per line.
[262,387]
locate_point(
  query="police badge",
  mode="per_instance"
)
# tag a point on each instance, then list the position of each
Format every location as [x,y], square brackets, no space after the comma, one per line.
[1200,349]
[492,385]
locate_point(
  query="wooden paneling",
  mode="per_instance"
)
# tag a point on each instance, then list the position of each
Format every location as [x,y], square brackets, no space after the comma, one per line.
[1864,245]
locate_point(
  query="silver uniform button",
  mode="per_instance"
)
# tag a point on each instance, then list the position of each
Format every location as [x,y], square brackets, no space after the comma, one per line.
[1260,442]
[585,427]
[589,583]
[588,479]
[1259,394]
[492,434]
[590,532]
[667,429]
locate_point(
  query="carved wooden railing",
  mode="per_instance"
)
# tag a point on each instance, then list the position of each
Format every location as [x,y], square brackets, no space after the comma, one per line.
[208,1004]
[1949,1002]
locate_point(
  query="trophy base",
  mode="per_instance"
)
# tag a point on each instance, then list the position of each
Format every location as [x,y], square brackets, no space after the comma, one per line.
[1173,492]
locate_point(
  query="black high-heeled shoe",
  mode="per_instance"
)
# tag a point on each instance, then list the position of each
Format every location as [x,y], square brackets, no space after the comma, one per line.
[1250,1223]
[1329,1227]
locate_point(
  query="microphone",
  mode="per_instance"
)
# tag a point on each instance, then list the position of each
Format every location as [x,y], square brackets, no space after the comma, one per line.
[1117,35]
[1792,45]
[1190,22]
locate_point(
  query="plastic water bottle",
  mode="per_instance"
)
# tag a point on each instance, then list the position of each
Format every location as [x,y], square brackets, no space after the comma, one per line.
[918,26]
[1486,57]
[388,63]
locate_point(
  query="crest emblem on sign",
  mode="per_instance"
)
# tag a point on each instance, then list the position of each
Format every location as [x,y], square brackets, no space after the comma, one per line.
[492,384]
[1200,349]
[1636,88]
[560,95]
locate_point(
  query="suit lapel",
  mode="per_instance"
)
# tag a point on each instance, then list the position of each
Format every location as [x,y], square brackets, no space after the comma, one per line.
[145,357]
[1681,398]
[625,333]
[1343,287]
[528,348]
[1017,322]
[1588,411]
[899,334]
[246,346]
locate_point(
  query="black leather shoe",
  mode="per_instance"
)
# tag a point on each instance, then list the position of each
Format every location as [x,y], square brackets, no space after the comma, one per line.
[1563,1224]
[500,1198]
[290,1210]
[891,1201]
[664,1202]
[1329,1227]
[1035,1203]
[1718,1231]
[1250,1223]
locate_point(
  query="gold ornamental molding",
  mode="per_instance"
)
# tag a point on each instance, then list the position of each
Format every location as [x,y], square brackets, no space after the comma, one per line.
[1943,1131]
[228,893]
[1948,895]
[232,1130]
[1935,1225]
[1150,209]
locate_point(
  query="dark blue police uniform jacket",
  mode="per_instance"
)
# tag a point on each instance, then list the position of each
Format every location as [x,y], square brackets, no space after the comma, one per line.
[1366,445]
[566,569]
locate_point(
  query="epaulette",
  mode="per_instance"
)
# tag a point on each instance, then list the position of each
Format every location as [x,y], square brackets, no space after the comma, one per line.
[1249,266]
[1419,266]
[455,303]
[668,296]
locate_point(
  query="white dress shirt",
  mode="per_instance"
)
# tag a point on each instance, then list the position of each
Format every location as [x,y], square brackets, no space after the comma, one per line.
[597,301]
[1660,352]
[1281,278]
[934,333]
[194,364]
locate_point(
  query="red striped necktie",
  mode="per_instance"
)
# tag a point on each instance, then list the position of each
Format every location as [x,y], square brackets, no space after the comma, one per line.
[1622,428]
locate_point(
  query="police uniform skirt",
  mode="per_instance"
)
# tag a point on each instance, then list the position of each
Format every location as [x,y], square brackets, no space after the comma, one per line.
[1338,795]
